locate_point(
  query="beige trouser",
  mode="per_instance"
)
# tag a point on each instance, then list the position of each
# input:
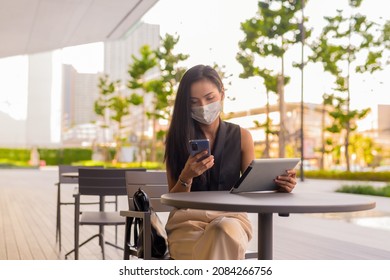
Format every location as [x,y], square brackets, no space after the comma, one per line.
[208,235]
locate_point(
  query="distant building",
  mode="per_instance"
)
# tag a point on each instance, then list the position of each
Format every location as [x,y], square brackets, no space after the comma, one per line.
[314,121]
[79,92]
[118,54]
[312,125]
[80,124]
[384,124]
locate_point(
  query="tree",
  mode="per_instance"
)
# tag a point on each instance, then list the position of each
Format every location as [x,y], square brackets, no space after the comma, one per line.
[364,149]
[345,41]
[225,78]
[159,85]
[165,86]
[274,29]
[341,120]
[386,38]
[139,86]
[112,105]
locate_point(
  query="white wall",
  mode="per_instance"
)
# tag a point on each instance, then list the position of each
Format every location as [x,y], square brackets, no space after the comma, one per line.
[40,80]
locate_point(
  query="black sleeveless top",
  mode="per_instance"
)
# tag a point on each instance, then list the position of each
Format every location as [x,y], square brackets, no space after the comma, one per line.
[227,161]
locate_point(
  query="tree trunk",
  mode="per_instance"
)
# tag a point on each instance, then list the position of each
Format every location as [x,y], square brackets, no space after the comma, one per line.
[154,140]
[118,144]
[267,129]
[282,112]
[322,160]
[142,140]
[348,129]
[347,135]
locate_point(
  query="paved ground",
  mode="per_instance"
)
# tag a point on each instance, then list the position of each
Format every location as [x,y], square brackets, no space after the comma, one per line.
[27,224]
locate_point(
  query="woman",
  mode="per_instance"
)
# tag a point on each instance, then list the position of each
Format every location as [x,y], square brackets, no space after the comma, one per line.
[200,234]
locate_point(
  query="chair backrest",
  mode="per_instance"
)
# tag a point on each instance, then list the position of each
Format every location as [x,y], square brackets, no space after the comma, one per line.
[103,181]
[71,168]
[67,169]
[154,183]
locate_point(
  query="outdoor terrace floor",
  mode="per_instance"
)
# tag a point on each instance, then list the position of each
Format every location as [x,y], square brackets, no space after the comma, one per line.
[28,217]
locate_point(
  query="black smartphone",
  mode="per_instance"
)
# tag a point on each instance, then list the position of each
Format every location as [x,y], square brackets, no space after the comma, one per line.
[200,145]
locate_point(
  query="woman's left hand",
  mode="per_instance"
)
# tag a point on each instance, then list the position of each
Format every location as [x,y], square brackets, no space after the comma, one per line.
[287,182]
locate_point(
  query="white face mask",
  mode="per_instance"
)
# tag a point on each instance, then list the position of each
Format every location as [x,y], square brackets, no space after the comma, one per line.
[206,114]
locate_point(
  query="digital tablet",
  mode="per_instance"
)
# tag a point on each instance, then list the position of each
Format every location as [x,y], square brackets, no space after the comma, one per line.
[260,174]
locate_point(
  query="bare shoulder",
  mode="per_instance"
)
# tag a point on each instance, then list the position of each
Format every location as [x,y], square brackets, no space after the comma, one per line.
[246,136]
[247,148]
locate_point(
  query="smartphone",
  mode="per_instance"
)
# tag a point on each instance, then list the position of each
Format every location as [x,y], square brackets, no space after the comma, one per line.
[199,145]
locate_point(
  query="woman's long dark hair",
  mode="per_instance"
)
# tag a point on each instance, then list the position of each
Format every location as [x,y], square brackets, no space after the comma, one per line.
[182,127]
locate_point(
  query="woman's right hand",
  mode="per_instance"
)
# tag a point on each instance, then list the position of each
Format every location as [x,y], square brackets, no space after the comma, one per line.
[194,168]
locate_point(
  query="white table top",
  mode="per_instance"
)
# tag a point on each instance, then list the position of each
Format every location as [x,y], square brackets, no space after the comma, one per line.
[269,202]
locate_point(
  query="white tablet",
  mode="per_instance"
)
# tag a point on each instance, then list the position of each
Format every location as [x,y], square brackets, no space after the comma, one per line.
[260,174]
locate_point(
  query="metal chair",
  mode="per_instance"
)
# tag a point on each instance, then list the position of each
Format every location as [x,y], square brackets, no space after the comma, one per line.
[154,183]
[66,181]
[102,183]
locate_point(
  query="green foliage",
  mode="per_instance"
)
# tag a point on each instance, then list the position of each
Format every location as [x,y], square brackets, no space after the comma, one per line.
[275,28]
[366,190]
[148,165]
[21,157]
[349,44]
[344,121]
[162,87]
[342,118]
[64,156]
[386,34]
[346,175]
[344,39]
[15,154]
[221,70]
[111,102]
[165,87]
[364,148]
[6,163]
[267,126]
[137,71]
[139,67]
[107,91]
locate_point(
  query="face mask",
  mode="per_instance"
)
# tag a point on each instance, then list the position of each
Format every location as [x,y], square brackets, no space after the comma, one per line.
[206,114]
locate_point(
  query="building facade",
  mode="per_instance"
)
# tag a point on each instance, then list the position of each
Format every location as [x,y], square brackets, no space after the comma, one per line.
[315,120]
[79,92]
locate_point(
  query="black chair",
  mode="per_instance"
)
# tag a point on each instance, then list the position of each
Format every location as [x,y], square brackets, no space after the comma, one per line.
[102,183]
[66,180]
[155,184]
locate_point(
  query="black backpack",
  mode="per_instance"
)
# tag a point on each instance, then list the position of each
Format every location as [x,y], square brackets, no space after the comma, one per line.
[159,236]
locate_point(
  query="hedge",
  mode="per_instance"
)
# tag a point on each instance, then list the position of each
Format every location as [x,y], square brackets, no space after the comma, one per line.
[50,156]
[345,175]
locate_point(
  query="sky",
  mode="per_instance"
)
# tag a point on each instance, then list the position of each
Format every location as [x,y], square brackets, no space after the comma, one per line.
[209,32]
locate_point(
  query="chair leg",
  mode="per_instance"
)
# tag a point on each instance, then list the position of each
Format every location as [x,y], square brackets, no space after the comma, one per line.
[126,249]
[103,255]
[116,227]
[101,228]
[113,245]
[147,236]
[77,247]
[76,227]
[58,222]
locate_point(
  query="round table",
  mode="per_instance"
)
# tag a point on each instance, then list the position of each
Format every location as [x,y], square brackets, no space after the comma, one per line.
[265,204]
